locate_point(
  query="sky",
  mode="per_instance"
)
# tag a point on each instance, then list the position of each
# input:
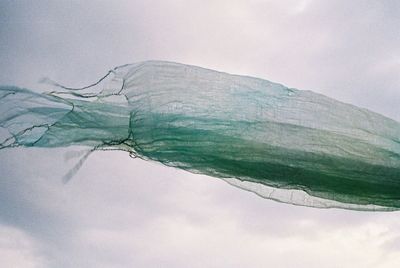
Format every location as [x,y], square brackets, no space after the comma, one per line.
[124,212]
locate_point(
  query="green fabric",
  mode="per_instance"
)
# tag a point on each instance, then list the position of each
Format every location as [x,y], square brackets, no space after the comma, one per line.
[312,149]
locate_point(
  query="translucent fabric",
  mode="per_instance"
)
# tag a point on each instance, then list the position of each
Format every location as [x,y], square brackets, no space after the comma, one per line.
[285,144]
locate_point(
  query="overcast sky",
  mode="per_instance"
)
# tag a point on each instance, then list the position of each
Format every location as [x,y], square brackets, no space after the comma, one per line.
[121,212]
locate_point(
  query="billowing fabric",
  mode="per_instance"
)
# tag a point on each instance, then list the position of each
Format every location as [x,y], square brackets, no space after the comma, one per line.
[285,144]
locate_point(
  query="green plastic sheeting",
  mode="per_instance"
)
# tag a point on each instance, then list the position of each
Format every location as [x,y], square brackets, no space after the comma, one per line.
[285,144]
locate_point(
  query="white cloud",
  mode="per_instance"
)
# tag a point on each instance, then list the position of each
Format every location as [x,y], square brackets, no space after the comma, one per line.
[17,249]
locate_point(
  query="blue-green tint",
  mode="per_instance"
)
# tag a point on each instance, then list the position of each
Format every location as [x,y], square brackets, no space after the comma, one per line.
[284,144]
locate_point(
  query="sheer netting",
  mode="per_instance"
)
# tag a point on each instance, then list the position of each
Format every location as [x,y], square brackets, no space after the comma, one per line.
[285,144]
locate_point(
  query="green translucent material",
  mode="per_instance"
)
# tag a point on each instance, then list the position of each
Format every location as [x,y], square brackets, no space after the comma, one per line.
[285,144]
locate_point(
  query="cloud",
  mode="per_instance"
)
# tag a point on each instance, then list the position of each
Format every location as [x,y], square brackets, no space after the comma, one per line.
[17,249]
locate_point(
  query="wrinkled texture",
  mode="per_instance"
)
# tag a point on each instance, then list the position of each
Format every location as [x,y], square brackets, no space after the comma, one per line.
[285,144]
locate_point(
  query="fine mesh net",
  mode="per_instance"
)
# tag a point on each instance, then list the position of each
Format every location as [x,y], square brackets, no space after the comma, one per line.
[285,144]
